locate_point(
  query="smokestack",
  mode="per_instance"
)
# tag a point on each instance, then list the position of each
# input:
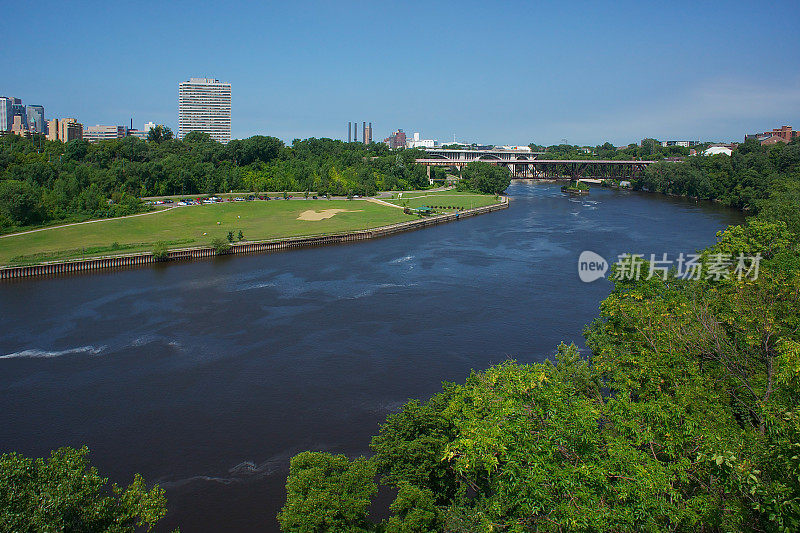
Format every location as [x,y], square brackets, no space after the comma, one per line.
[364,132]
[355,131]
[370,133]
[349,135]
[131,122]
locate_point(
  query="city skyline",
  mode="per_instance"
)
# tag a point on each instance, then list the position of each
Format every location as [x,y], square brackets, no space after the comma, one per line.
[585,74]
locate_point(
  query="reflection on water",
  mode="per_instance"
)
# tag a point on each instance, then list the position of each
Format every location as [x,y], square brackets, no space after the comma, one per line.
[209,376]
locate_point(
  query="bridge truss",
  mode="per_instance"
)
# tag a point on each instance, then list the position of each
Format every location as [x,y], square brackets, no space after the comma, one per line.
[555,168]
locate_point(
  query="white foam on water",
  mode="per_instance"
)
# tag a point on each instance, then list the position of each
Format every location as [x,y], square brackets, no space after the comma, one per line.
[49,354]
[143,340]
[402,259]
[257,285]
[375,288]
[244,471]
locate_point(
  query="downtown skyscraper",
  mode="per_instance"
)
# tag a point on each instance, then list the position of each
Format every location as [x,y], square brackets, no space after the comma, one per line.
[204,104]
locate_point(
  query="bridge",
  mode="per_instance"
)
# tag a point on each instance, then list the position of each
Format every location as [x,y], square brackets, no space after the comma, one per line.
[480,155]
[525,165]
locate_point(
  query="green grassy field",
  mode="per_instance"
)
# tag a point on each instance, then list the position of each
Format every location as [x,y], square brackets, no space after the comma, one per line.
[193,226]
[450,200]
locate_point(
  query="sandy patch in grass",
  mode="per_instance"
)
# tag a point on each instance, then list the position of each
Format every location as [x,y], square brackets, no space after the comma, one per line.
[322,215]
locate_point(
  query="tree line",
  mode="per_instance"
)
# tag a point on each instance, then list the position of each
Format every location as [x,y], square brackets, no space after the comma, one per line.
[649,149]
[43,181]
[742,180]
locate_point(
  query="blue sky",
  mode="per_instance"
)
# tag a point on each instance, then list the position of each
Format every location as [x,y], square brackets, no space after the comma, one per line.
[490,72]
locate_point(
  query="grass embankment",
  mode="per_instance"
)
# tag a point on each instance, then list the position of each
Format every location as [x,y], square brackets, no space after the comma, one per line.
[446,201]
[194,226]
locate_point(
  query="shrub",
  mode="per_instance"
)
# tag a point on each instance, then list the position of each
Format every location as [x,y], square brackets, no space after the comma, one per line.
[220,246]
[160,251]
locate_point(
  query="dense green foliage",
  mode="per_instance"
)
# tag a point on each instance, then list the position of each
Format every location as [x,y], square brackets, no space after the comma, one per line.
[741,180]
[328,493]
[65,493]
[484,178]
[649,149]
[43,181]
[685,417]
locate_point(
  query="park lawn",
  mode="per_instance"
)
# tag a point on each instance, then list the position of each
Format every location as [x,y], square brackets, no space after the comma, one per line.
[447,200]
[190,226]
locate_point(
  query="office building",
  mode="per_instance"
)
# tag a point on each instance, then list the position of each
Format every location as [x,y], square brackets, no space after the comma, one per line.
[6,115]
[685,144]
[204,104]
[418,142]
[69,129]
[143,133]
[36,121]
[18,110]
[52,129]
[396,140]
[782,134]
[97,133]
[18,127]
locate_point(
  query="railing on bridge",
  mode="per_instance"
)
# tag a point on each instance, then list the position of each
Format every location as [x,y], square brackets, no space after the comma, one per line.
[554,168]
[480,155]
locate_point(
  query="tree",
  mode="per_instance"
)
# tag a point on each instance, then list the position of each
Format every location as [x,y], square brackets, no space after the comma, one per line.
[414,511]
[485,178]
[197,137]
[258,148]
[19,203]
[327,493]
[65,493]
[230,236]
[159,134]
[76,150]
[240,236]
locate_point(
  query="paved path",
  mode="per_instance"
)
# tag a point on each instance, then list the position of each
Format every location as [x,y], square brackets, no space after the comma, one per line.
[377,201]
[87,222]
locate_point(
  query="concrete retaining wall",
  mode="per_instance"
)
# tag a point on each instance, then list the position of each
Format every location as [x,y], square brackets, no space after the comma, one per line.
[120,261]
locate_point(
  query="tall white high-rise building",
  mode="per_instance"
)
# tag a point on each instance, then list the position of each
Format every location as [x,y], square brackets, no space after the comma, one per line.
[204,104]
[6,113]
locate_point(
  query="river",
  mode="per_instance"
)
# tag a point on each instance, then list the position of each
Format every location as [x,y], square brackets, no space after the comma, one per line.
[208,376]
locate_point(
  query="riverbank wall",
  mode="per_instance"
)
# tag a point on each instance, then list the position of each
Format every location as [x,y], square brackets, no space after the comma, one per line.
[146,258]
